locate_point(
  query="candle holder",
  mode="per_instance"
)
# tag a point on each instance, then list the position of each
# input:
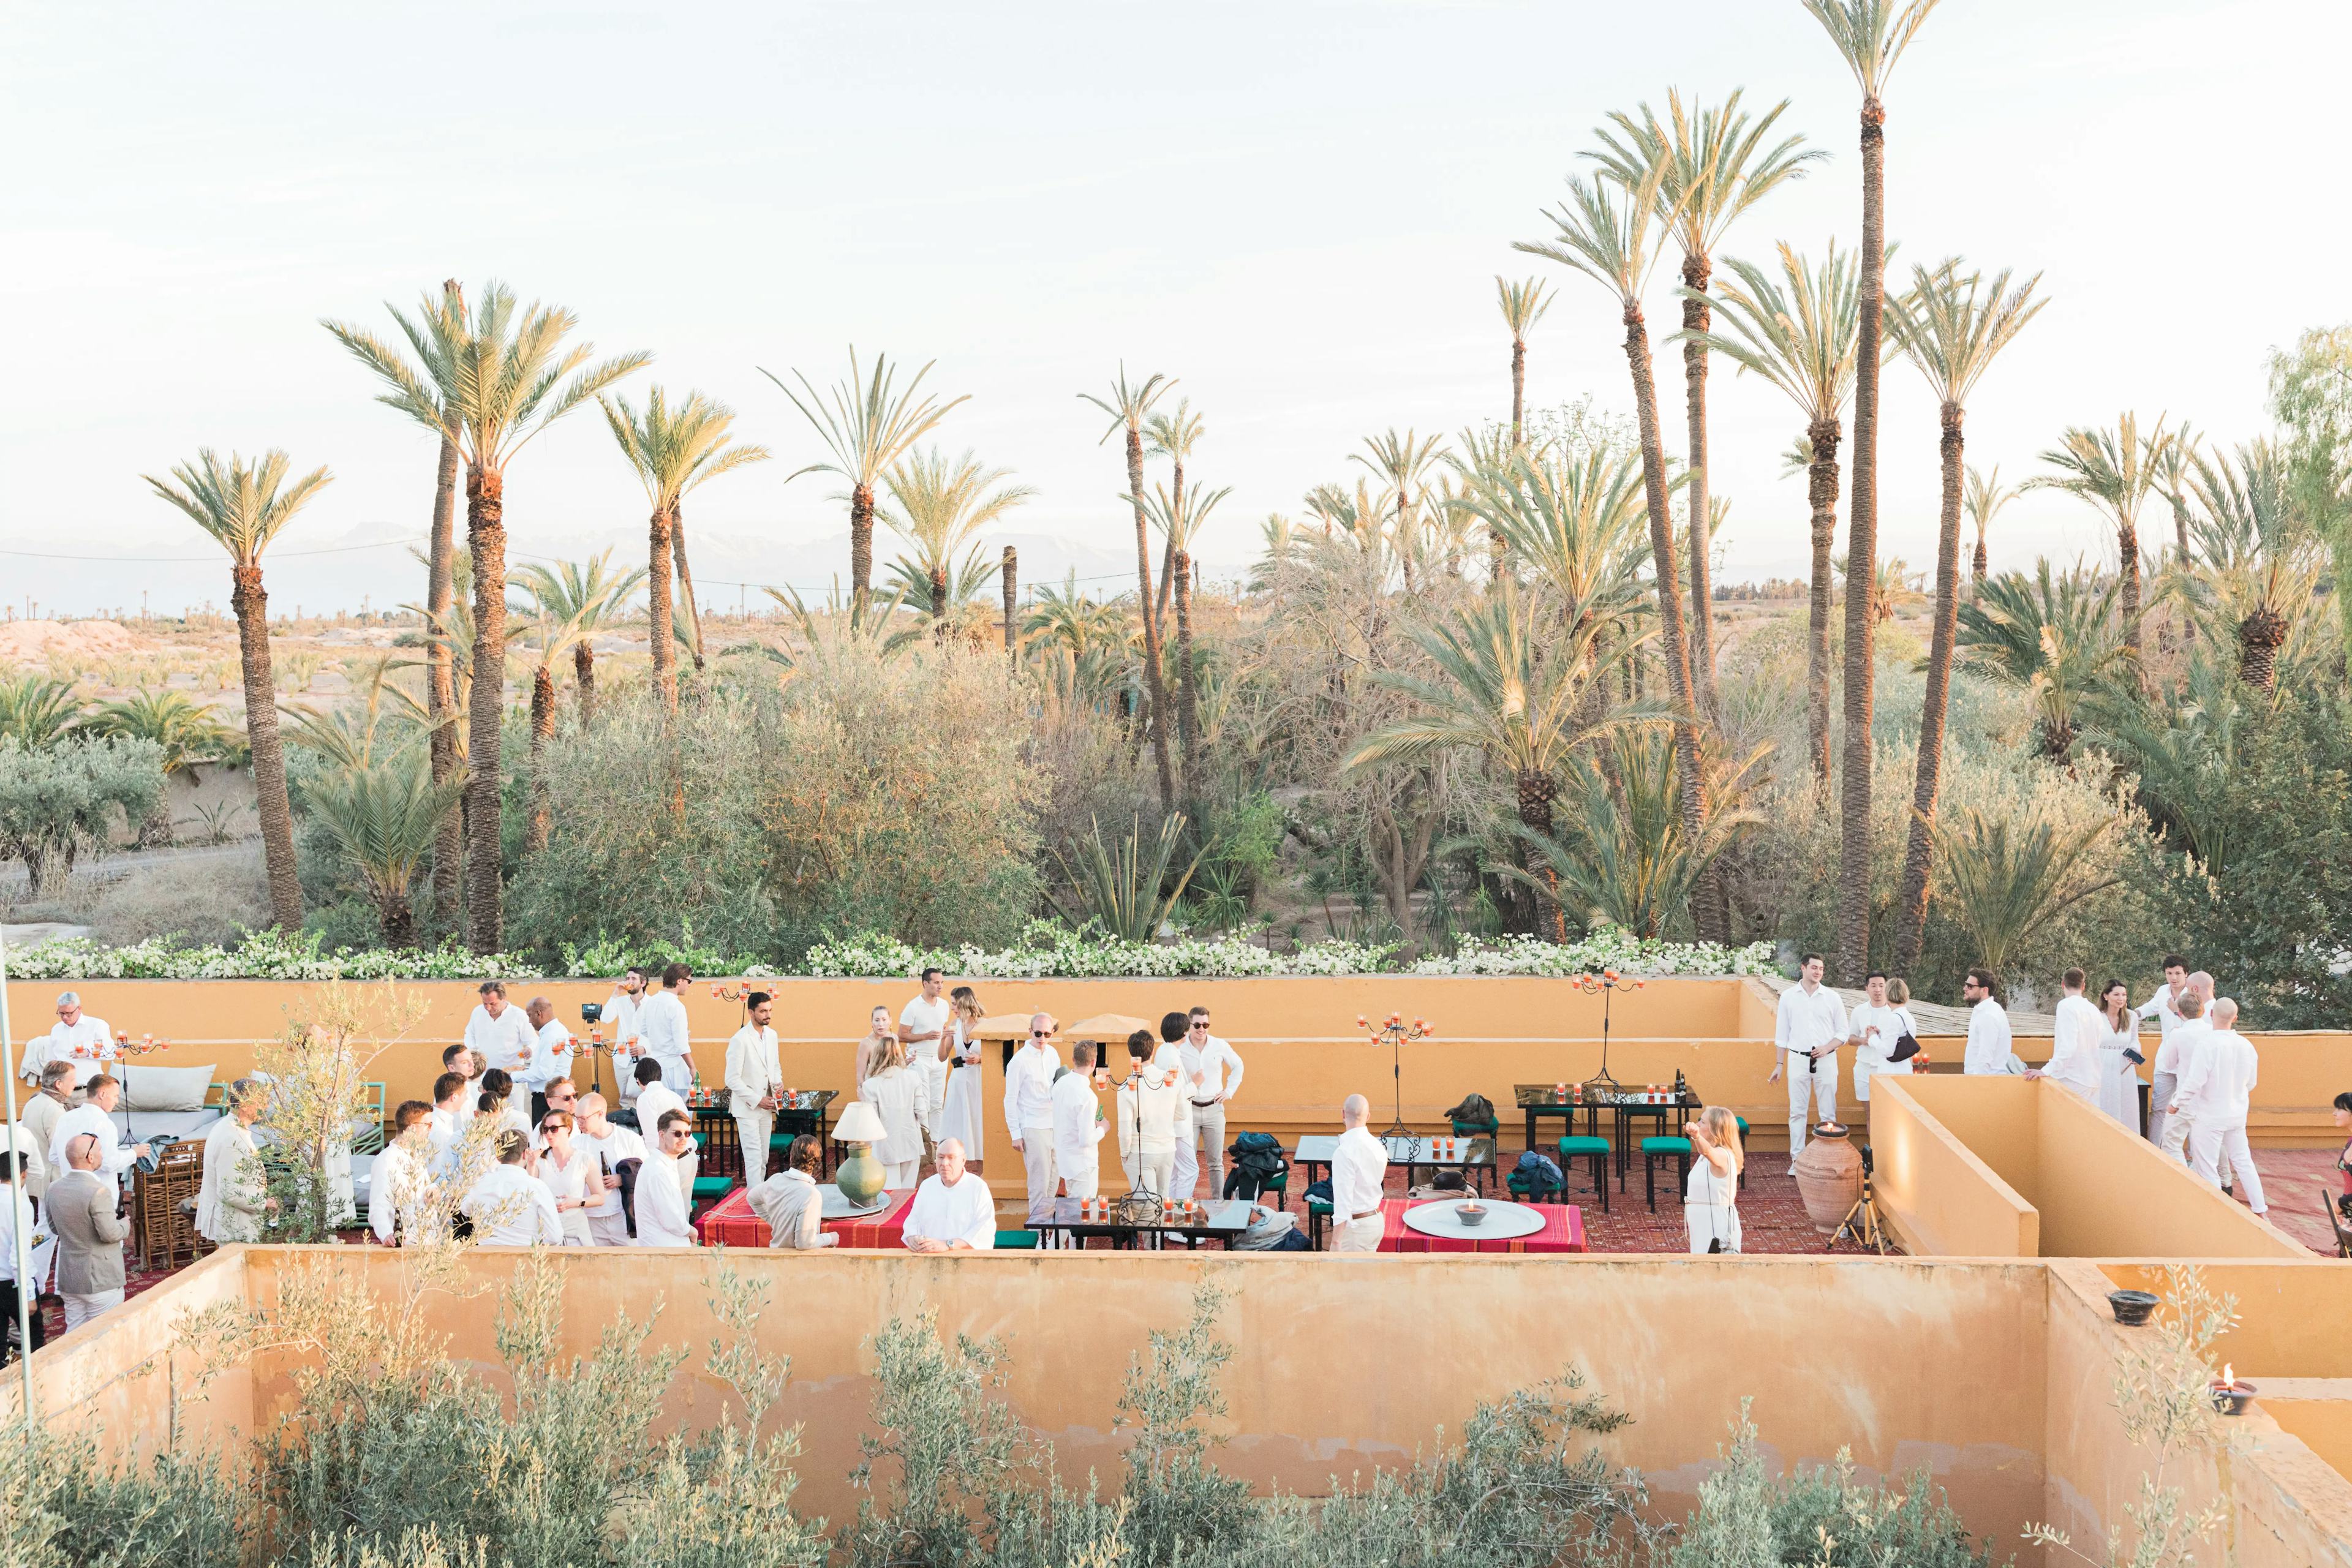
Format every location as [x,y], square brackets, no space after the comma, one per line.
[734,993]
[1608,982]
[1393,1032]
[2230,1393]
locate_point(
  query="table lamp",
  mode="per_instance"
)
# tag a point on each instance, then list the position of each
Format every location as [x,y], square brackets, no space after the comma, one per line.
[859,1176]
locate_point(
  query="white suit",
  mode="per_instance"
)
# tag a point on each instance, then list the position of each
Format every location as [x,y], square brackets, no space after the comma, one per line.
[901,1097]
[1029,1117]
[1804,1021]
[2216,1090]
[752,1074]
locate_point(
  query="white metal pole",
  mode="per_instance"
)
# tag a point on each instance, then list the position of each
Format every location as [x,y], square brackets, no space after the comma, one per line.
[24,1242]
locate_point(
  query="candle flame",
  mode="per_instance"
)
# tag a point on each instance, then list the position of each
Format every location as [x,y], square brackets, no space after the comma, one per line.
[2228,1377]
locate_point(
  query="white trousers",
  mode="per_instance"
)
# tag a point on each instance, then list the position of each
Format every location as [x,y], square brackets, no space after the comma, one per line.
[900,1174]
[2180,1132]
[755,1128]
[1083,1180]
[1184,1172]
[2212,1149]
[1818,1088]
[1037,1164]
[80,1310]
[609,1229]
[1153,1172]
[1209,1133]
[2159,1095]
[1707,1222]
[1363,1235]
[676,1073]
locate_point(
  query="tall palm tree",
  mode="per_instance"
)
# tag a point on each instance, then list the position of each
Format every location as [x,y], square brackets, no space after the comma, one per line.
[1611,240]
[1524,304]
[591,593]
[1802,341]
[2264,554]
[1870,37]
[1952,327]
[1405,461]
[489,382]
[1718,164]
[1502,687]
[2116,471]
[868,424]
[383,816]
[674,450]
[2176,474]
[245,507]
[1129,405]
[1172,436]
[440,679]
[1986,496]
[937,506]
[1179,519]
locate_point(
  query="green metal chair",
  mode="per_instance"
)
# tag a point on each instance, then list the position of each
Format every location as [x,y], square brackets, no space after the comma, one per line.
[371,1142]
[1743,1151]
[1016,1241]
[1490,1128]
[1595,1149]
[1279,1185]
[1317,1211]
[1653,1150]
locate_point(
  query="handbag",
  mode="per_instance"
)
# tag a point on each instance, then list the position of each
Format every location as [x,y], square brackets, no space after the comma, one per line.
[1906,1045]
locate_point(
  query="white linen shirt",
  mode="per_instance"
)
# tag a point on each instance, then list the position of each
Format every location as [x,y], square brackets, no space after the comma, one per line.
[91,1035]
[1359,1167]
[511,1207]
[504,1041]
[901,1097]
[965,1212]
[400,1191]
[1989,1041]
[2217,1088]
[1212,1070]
[1807,1023]
[663,1024]
[753,1072]
[1029,1088]
[551,1060]
[1149,1107]
[922,1017]
[1870,1057]
[1077,1125]
[616,1145]
[662,1211]
[654,1100]
[622,1014]
[115,1156]
[2179,1047]
[2075,1034]
[1170,1058]
[2161,1008]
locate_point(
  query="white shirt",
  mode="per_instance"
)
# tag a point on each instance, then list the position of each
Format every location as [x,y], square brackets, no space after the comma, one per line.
[921,1016]
[2161,1008]
[793,1208]
[504,1041]
[1359,1167]
[2217,1087]
[1806,1021]
[550,1060]
[2075,1034]
[653,1100]
[400,1194]
[1213,1069]
[509,1208]
[39,1121]
[2179,1047]
[1148,1105]
[1029,1088]
[1989,1041]
[753,1072]
[965,1212]
[1169,1060]
[622,1014]
[91,1035]
[17,1221]
[616,1146]
[901,1098]
[1077,1124]
[1870,1057]
[662,1210]
[232,1171]
[115,1156]
[663,1024]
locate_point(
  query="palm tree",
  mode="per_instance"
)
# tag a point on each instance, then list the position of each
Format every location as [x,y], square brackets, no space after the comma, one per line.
[1172,436]
[1501,687]
[1128,405]
[384,816]
[2176,471]
[1952,328]
[1524,304]
[869,425]
[1986,497]
[185,731]
[2051,636]
[2005,880]
[1717,165]
[937,506]
[441,681]
[1179,516]
[1802,341]
[2264,554]
[490,383]
[1611,242]
[244,508]
[1405,461]
[2116,471]
[1871,36]
[37,713]
[590,593]
[1579,525]
[674,452]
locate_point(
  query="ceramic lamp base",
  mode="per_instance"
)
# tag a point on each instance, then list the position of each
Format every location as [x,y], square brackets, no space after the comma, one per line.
[860,1176]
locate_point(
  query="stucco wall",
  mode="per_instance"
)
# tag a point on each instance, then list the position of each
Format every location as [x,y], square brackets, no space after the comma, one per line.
[1935,1194]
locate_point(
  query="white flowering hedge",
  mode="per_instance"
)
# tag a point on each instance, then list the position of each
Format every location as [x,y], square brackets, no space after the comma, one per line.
[1048,949]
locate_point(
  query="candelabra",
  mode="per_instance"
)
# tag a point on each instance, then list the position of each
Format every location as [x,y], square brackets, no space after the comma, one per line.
[1608,982]
[1393,1032]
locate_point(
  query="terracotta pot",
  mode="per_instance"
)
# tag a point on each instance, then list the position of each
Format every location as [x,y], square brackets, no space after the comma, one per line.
[1829,1178]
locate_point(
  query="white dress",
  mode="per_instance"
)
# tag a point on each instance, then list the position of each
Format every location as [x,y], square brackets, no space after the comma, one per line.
[567,1182]
[900,1097]
[1711,1206]
[960,1116]
[2118,1079]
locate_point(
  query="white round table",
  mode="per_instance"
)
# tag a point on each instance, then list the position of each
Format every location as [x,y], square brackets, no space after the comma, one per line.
[1503,1221]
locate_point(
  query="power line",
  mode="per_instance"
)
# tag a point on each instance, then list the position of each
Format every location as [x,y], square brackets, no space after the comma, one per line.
[197,560]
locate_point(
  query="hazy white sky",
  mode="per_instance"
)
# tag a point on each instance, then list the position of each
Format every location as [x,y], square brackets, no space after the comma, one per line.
[1298,209]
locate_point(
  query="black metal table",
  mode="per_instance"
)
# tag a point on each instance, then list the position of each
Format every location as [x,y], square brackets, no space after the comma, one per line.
[1415,1153]
[1222,1220]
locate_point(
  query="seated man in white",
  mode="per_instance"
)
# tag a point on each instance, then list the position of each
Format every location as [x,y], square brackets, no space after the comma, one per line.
[953,1211]
[790,1201]
[666,1182]
[509,1206]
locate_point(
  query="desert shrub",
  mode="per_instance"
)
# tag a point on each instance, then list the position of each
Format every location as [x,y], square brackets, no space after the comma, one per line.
[59,801]
[213,900]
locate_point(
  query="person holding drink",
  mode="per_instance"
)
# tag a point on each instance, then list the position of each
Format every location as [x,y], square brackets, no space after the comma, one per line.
[753,1077]
[1711,1197]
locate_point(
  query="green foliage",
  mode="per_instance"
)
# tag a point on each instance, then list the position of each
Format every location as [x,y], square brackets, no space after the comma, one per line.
[1128,886]
[2005,879]
[59,802]
[950,1443]
[383,819]
[37,713]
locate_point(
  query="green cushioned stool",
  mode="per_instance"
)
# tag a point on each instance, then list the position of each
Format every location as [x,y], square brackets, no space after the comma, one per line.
[1318,1211]
[1490,1128]
[1016,1241]
[1595,1149]
[1656,1149]
[713,1186]
[1743,1151]
[1279,1185]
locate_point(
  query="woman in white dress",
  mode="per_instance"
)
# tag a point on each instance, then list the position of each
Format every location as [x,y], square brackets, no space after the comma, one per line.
[569,1168]
[900,1097]
[879,1030]
[959,1114]
[1711,1197]
[2118,1074]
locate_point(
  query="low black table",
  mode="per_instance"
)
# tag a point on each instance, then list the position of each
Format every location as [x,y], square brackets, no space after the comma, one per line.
[1222,1220]
[1413,1152]
[1623,1106]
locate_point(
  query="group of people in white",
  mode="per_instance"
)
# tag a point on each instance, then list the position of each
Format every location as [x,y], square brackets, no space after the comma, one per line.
[2203,1076]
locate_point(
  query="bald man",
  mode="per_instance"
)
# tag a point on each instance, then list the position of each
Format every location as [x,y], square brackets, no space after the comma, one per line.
[1359,1169]
[2217,1088]
[82,1211]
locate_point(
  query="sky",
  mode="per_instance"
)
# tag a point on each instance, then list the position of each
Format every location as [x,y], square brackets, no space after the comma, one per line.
[1297,210]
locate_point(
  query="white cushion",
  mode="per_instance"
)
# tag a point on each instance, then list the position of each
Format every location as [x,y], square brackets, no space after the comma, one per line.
[163,1088]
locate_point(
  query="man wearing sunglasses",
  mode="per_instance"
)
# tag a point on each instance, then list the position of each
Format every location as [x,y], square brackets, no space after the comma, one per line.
[663,1182]
[1029,1113]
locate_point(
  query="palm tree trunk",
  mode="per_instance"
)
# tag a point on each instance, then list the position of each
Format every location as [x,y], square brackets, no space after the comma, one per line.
[441,677]
[685,582]
[1911,904]
[1822,484]
[1977,582]
[2127,553]
[1697,317]
[1518,392]
[861,549]
[485,537]
[251,602]
[1168,555]
[1862,562]
[1188,712]
[583,674]
[1153,685]
[1705,905]
[394,919]
[660,635]
[2260,637]
[542,730]
[1536,790]
[939,606]
[1011,574]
